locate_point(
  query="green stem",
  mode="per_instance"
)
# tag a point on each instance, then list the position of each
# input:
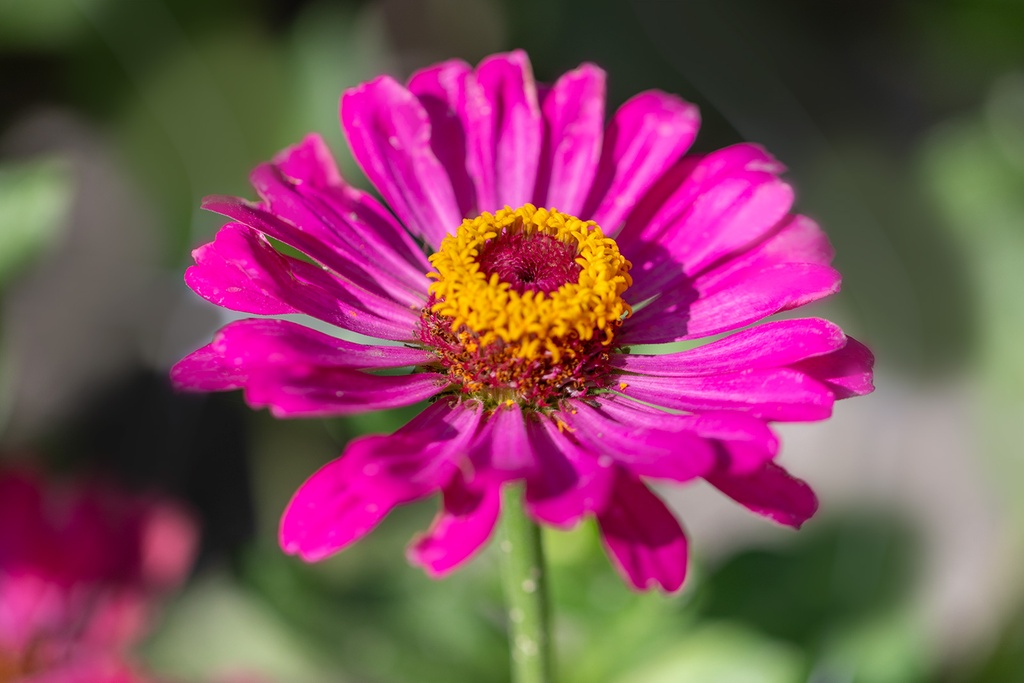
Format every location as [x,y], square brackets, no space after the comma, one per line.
[525,591]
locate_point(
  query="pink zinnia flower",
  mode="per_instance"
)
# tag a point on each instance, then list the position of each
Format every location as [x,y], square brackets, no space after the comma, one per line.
[518,326]
[81,569]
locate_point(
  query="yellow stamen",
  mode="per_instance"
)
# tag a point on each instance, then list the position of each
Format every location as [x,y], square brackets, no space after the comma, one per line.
[531,324]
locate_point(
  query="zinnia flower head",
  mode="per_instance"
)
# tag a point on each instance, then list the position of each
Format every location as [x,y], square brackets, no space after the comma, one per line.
[81,569]
[525,247]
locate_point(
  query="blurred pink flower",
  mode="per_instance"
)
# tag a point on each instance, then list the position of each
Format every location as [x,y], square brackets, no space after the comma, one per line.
[81,568]
[521,333]
[85,669]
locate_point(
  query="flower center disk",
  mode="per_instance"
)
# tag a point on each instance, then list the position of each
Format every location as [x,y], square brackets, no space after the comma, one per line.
[525,306]
[529,262]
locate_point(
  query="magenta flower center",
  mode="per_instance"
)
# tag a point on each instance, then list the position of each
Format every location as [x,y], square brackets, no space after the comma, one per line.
[532,262]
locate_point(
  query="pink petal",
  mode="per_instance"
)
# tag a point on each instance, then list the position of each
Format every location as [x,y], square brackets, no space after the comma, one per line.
[797,240]
[113,623]
[92,667]
[501,450]
[373,230]
[463,130]
[847,371]
[95,535]
[205,370]
[32,604]
[568,481]
[675,191]
[333,509]
[741,443]
[745,298]
[247,347]
[785,270]
[726,203]
[309,162]
[461,528]
[429,448]
[241,271]
[168,541]
[770,394]
[673,195]
[624,409]
[738,212]
[263,341]
[362,223]
[642,537]
[452,99]
[770,492]
[508,86]
[666,451]
[644,138]
[80,566]
[773,344]
[229,273]
[319,241]
[346,498]
[21,498]
[325,392]
[304,217]
[390,136]
[574,130]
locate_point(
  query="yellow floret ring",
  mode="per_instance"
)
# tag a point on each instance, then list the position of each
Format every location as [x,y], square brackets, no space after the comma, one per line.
[531,322]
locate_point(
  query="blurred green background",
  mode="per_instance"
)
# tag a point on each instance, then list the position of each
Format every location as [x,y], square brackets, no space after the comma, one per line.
[902,124]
